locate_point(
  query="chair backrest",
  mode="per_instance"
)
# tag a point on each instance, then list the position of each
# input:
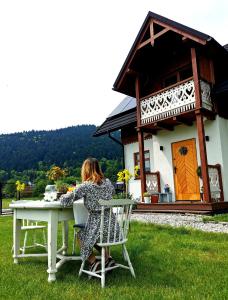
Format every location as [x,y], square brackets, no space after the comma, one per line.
[80,212]
[119,213]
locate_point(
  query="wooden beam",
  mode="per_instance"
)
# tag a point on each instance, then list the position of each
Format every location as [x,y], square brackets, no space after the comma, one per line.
[137,95]
[161,32]
[196,79]
[132,72]
[183,120]
[181,32]
[152,33]
[163,126]
[153,37]
[140,139]
[131,58]
[144,44]
[203,157]
[148,130]
[200,128]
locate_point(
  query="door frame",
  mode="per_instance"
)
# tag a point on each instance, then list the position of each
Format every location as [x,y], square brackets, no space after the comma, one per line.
[191,139]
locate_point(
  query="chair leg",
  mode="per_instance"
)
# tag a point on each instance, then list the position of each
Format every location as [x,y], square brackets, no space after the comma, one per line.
[81,268]
[74,241]
[128,260]
[123,253]
[44,238]
[25,241]
[103,267]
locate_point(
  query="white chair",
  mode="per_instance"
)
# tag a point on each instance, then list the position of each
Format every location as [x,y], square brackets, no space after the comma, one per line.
[122,208]
[32,226]
[80,218]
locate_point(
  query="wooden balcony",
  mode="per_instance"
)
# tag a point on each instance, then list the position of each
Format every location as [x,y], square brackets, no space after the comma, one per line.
[173,101]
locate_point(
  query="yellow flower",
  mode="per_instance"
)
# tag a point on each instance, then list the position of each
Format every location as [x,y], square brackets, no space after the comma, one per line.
[136,171]
[20,186]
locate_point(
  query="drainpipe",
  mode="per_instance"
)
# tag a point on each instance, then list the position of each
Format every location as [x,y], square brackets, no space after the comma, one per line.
[121,144]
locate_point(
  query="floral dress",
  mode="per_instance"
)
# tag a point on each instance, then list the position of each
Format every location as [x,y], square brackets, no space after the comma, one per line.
[92,193]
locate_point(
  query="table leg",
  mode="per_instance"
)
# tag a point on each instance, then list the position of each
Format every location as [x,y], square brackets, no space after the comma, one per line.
[65,230]
[16,236]
[52,244]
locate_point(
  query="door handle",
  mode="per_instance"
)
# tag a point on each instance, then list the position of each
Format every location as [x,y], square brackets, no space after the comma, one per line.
[175,169]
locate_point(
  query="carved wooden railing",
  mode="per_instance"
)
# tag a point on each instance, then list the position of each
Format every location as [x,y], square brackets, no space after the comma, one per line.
[215,178]
[173,101]
[153,182]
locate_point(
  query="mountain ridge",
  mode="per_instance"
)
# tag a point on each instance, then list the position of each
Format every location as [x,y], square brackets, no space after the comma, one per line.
[64,147]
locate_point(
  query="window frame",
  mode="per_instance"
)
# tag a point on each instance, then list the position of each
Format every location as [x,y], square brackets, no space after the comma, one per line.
[137,161]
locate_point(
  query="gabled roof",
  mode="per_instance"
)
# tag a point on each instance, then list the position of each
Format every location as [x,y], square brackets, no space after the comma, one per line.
[123,115]
[188,32]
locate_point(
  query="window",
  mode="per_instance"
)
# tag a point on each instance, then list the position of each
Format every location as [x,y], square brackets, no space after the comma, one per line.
[147,160]
[177,76]
[170,80]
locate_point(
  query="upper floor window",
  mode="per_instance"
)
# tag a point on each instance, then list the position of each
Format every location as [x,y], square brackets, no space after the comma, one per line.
[177,76]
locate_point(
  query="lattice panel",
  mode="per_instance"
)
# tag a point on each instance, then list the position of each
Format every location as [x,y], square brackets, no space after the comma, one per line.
[214,183]
[152,183]
[206,95]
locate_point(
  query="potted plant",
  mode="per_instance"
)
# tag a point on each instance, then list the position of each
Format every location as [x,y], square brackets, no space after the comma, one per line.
[147,197]
[166,188]
[62,188]
[123,177]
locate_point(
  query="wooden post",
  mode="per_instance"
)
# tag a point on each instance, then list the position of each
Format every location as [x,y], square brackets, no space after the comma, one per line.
[200,129]
[140,140]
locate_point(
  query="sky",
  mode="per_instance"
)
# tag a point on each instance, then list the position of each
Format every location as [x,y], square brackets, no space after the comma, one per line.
[60,58]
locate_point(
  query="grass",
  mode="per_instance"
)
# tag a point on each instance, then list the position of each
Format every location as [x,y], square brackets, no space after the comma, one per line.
[216,218]
[170,263]
[6,202]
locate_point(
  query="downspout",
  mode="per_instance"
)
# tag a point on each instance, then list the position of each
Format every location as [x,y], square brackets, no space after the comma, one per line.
[121,144]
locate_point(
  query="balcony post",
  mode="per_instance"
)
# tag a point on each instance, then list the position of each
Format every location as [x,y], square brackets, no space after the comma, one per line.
[200,129]
[140,140]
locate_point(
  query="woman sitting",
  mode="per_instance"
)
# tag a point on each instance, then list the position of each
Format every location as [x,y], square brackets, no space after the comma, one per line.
[93,188]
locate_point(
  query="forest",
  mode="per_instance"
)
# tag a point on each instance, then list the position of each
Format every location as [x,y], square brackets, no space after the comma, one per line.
[27,156]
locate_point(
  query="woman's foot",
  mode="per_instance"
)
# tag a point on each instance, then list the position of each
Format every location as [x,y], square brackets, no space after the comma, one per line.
[95,266]
[110,262]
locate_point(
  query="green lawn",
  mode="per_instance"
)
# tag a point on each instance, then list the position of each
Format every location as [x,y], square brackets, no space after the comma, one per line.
[216,218]
[6,202]
[169,264]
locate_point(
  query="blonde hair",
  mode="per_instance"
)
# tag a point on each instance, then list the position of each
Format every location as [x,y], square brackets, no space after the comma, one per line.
[91,171]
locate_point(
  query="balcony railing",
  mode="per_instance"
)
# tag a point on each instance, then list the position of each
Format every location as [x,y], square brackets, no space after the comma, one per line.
[173,101]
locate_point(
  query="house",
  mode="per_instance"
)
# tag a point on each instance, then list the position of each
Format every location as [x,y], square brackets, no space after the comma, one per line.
[174,118]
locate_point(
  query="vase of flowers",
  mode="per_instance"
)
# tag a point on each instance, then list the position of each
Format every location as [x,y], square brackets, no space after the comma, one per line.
[124,176]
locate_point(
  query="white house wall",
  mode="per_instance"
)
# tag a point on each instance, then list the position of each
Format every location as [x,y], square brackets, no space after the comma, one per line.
[129,150]
[161,161]
[223,129]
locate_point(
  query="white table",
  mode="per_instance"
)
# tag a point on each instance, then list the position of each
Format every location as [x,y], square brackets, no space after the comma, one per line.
[52,213]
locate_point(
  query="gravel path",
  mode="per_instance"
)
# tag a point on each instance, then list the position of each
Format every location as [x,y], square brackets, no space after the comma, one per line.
[177,220]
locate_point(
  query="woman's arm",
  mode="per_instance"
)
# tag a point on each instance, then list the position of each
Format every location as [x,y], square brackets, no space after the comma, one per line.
[68,199]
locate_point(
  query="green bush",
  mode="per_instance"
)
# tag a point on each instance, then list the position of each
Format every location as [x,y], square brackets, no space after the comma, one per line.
[39,188]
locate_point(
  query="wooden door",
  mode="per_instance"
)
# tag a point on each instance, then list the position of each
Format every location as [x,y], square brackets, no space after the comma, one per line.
[184,170]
